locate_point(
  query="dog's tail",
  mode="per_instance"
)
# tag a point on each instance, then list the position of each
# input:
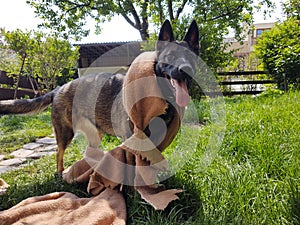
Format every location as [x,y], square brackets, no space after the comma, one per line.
[27,106]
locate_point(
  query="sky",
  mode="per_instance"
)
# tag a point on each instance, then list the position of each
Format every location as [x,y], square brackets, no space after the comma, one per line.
[17,14]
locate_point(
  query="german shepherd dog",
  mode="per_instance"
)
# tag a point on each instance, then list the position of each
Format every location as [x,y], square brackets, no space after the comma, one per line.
[72,111]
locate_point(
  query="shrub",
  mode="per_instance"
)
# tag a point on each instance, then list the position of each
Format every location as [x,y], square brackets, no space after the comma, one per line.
[279,50]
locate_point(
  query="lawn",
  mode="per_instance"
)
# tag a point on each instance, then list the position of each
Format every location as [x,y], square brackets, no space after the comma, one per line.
[15,131]
[250,175]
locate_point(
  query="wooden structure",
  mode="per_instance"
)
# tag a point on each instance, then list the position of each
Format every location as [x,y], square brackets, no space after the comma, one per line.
[107,57]
[243,82]
[27,87]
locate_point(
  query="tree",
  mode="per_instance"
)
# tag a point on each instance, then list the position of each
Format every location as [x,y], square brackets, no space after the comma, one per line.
[19,43]
[52,56]
[279,50]
[214,17]
[39,56]
[7,57]
[292,9]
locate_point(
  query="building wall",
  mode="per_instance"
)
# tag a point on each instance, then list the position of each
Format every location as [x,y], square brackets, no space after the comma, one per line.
[243,49]
[246,47]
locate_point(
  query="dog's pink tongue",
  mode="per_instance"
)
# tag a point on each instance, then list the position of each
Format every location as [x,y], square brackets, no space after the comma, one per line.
[182,93]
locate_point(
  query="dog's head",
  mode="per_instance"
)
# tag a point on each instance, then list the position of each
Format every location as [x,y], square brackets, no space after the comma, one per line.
[176,60]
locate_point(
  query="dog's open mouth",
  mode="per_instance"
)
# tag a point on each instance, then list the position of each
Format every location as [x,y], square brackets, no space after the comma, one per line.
[181,91]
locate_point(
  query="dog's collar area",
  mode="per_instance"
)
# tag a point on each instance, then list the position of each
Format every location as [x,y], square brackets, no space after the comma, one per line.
[166,75]
[167,117]
[165,86]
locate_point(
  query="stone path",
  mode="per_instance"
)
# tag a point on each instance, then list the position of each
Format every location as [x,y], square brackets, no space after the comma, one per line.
[31,151]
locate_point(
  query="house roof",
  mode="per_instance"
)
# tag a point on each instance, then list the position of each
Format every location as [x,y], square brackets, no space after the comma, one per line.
[108,54]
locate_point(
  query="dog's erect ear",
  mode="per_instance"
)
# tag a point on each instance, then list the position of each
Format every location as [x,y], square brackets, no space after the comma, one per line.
[192,37]
[166,32]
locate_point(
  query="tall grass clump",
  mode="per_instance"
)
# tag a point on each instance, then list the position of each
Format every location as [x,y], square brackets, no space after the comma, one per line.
[255,177]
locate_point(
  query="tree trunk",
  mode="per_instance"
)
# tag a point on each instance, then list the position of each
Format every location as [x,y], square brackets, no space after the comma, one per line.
[19,76]
[144,31]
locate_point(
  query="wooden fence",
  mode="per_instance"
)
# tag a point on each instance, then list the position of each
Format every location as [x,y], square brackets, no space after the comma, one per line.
[243,82]
[232,83]
[27,87]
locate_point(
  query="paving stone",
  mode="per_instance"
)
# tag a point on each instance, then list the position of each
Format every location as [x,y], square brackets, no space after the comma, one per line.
[12,162]
[47,141]
[35,150]
[48,148]
[22,153]
[38,155]
[32,146]
[4,169]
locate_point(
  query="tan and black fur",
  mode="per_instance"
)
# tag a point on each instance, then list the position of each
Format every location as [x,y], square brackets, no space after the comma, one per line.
[93,103]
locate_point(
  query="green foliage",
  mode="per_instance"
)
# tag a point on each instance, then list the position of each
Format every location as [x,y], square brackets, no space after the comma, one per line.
[215,18]
[292,8]
[51,58]
[15,45]
[70,17]
[41,56]
[279,50]
[68,74]
[253,179]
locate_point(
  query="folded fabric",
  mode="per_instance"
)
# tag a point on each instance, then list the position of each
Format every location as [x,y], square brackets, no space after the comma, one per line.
[60,208]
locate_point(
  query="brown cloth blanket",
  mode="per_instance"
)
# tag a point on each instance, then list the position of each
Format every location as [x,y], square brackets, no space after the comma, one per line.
[136,162]
[61,208]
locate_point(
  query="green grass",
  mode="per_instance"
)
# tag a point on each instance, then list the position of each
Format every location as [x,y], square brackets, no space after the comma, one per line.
[15,131]
[253,177]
